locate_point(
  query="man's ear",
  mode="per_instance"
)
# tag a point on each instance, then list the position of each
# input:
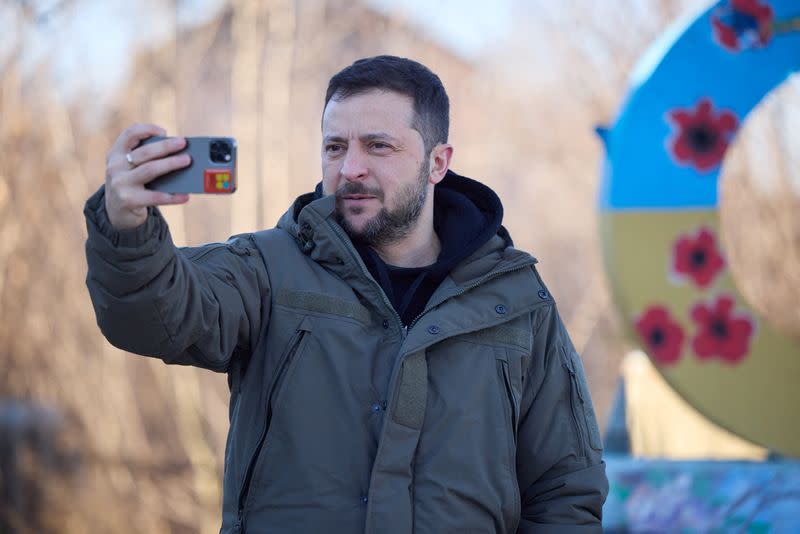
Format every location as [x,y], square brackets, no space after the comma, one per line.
[440,162]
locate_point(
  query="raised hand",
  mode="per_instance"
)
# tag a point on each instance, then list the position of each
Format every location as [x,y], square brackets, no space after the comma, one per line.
[129,168]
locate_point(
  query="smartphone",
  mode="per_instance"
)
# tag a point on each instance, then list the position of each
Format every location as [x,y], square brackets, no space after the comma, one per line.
[212,170]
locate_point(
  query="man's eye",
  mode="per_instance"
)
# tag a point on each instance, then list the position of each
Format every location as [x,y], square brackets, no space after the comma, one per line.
[333,149]
[380,146]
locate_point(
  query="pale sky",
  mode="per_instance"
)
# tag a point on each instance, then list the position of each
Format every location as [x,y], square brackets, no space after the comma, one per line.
[89,43]
[465,26]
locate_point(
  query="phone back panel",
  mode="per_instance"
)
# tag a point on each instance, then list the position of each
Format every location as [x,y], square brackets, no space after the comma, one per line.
[203,175]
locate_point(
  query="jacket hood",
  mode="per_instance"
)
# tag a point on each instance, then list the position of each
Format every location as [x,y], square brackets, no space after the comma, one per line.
[466,215]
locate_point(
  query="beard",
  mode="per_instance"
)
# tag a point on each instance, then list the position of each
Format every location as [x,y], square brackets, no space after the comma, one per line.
[387,226]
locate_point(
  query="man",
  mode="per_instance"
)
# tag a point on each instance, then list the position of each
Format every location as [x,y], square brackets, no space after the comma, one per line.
[395,365]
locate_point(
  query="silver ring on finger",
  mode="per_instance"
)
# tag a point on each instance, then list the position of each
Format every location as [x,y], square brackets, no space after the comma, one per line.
[130,160]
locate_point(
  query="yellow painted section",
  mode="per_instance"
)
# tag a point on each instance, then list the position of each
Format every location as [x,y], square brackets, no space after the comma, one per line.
[757,398]
[661,424]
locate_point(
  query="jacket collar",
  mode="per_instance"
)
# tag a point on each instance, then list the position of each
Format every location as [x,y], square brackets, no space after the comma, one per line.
[313,226]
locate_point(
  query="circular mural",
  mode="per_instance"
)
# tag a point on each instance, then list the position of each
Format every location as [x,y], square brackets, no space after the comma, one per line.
[660,217]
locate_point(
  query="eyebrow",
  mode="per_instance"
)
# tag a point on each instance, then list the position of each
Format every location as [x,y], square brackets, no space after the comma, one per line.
[364,138]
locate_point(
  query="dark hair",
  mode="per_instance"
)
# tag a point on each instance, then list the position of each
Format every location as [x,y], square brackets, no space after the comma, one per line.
[404,76]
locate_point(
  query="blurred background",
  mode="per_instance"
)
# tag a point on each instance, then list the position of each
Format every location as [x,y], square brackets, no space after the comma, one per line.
[96,440]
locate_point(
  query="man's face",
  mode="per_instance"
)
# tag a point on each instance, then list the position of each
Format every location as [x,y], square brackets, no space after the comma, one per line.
[375,164]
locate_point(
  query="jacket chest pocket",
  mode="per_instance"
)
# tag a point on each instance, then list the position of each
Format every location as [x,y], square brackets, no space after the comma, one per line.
[287,365]
[507,350]
[473,414]
[511,349]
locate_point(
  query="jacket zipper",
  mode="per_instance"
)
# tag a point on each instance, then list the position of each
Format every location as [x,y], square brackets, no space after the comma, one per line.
[286,361]
[403,328]
[573,379]
[208,249]
[202,253]
[357,257]
[512,403]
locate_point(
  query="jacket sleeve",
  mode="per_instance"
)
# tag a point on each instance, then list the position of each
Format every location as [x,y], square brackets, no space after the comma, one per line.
[560,470]
[190,306]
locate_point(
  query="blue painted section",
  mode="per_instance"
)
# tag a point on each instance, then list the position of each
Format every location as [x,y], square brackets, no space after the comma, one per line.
[688,64]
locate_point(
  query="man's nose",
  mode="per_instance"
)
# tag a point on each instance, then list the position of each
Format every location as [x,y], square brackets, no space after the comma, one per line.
[354,164]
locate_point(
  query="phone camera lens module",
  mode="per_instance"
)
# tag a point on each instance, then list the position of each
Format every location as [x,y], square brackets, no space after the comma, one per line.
[221,151]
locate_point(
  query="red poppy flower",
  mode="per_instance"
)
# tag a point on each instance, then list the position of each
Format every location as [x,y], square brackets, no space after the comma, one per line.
[662,336]
[698,257]
[721,333]
[742,24]
[703,135]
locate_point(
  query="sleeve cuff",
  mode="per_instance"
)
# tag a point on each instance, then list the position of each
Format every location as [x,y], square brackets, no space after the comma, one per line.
[151,232]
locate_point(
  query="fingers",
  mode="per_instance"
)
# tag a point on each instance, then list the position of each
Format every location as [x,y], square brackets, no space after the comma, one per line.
[157,198]
[151,170]
[146,162]
[156,150]
[133,135]
[118,161]
[126,196]
[132,199]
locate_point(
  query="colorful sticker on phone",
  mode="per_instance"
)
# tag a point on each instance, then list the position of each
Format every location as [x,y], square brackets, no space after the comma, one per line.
[218,181]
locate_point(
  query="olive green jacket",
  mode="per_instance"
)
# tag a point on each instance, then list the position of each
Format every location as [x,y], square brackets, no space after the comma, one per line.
[481,405]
